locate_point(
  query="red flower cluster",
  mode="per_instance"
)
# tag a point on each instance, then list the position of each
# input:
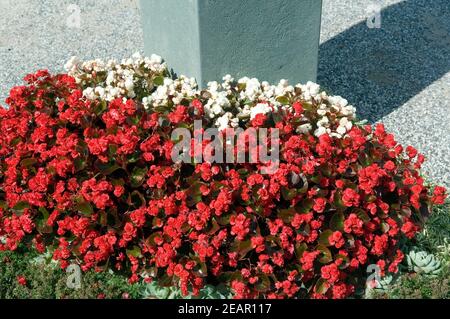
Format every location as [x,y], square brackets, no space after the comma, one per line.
[95,182]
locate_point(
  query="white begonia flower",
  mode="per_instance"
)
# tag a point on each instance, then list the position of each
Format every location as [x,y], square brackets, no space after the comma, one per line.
[89,93]
[110,78]
[283,88]
[100,92]
[348,110]
[252,89]
[260,108]
[335,108]
[320,131]
[251,99]
[314,88]
[72,65]
[322,110]
[324,121]
[129,84]
[227,82]
[246,110]
[228,78]
[156,59]
[113,93]
[284,82]
[146,102]
[341,130]
[310,90]
[333,134]
[234,122]
[213,86]
[137,56]
[346,123]
[223,121]
[304,128]
[338,101]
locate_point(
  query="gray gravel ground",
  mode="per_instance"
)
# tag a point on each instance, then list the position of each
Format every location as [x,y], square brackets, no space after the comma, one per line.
[398,74]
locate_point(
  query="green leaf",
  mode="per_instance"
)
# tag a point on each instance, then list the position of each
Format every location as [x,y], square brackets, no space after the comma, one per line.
[151,239]
[300,249]
[304,206]
[327,170]
[242,247]
[316,179]
[321,286]
[223,220]
[325,254]
[112,149]
[263,283]
[337,221]
[194,195]
[362,215]
[242,172]
[21,206]
[305,186]
[100,107]
[323,239]
[134,252]
[103,218]
[159,80]
[287,214]
[136,199]
[201,269]
[283,100]
[133,158]
[16,141]
[307,106]
[137,176]
[229,276]
[106,168]
[27,162]
[41,224]
[288,194]
[338,202]
[345,261]
[214,227]
[85,208]
[384,227]
[80,164]
[406,211]
[193,199]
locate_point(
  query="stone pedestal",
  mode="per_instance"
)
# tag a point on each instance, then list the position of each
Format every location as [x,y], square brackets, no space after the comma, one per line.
[206,39]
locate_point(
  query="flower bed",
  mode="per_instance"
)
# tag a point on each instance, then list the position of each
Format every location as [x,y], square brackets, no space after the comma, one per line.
[86,172]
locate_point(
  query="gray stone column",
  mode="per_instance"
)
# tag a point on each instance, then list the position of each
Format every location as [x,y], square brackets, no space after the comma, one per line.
[206,39]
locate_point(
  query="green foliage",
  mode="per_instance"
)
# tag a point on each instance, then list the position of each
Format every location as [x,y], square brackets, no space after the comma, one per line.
[418,286]
[435,236]
[154,291]
[45,280]
[429,261]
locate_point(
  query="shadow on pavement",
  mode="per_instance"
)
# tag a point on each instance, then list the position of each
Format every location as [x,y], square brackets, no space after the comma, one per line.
[378,70]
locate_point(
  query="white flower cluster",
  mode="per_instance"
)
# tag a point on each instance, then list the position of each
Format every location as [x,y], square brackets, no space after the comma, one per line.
[226,104]
[252,98]
[171,90]
[111,79]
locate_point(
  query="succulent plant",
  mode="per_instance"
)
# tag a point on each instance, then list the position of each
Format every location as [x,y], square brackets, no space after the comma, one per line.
[422,262]
[385,282]
[381,285]
[154,291]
